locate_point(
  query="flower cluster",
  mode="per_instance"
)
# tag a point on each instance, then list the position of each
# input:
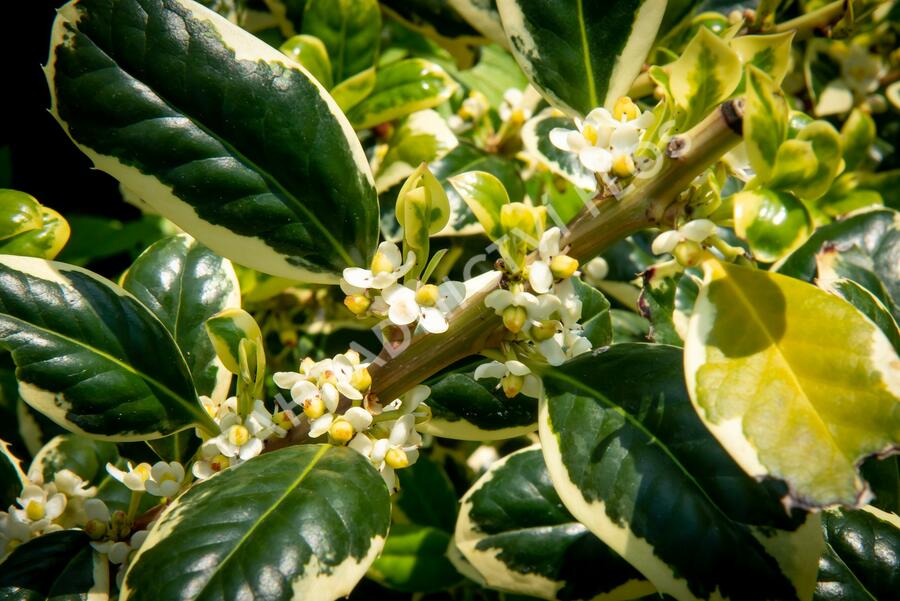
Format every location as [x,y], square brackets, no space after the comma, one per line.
[543,322]
[240,437]
[378,291]
[606,142]
[685,240]
[473,109]
[44,507]
[333,395]
[162,479]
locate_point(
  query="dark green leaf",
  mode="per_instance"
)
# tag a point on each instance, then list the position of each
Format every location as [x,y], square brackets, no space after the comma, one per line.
[59,566]
[415,560]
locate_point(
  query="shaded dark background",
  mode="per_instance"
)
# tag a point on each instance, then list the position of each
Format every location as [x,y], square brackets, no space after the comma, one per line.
[44,162]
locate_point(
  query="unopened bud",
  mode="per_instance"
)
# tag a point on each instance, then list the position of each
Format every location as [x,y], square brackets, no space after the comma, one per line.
[514,318]
[313,407]
[119,525]
[427,295]
[396,458]
[381,264]
[283,420]
[623,166]
[361,379]
[357,303]
[625,107]
[341,431]
[563,266]
[512,384]
[96,529]
[543,330]
[688,253]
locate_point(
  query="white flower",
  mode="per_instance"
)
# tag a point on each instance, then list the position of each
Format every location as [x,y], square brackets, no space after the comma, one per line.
[428,305]
[236,440]
[211,461]
[70,484]
[600,139]
[357,417]
[862,70]
[539,275]
[39,506]
[400,449]
[96,509]
[135,478]
[387,267]
[260,423]
[165,479]
[514,376]
[116,551]
[515,105]
[697,230]
[563,346]
[13,532]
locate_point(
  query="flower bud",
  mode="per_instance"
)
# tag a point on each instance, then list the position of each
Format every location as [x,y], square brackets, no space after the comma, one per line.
[544,330]
[512,384]
[96,529]
[625,107]
[361,379]
[396,458]
[357,303]
[381,264]
[514,318]
[341,431]
[563,266]
[313,407]
[283,420]
[119,525]
[688,253]
[623,166]
[427,295]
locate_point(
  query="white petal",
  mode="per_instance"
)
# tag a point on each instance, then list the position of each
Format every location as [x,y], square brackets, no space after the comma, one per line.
[600,117]
[552,351]
[380,449]
[391,252]
[401,430]
[517,368]
[303,391]
[413,398]
[202,470]
[646,120]
[451,295]
[625,139]
[494,369]
[403,312]
[597,160]
[580,346]
[358,277]
[398,293]
[287,379]
[532,387]
[383,280]
[548,247]
[96,509]
[349,289]
[362,444]
[330,396]
[320,425]
[390,478]
[410,263]
[55,506]
[433,320]
[499,300]
[698,229]
[559,137]
[349,391]
[540,277]
[597,268]
[250,450]
[545,306]
[114,472]
[359,418]
[665,242]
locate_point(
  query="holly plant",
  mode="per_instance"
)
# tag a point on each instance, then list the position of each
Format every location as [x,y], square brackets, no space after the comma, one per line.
[461,299]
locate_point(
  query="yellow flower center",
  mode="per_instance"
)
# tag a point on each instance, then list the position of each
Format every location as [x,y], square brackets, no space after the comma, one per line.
[35,510]
[396,458]
[543,331]
[357,303]
[590,134]
[512,384]
[313,407]
[427,295]
[623,166]
[341,431]
[143,471]
[219,463]
[625,107]
[381,264]
[563,266]
[361,379]
[238,435]
[168,477]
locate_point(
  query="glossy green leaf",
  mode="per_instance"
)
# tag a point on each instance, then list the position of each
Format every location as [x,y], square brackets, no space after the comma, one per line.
[705,74]
[350,30]
[467,409]
[12,476]
[862,557]
[536,140]
[857,266]
[309,51]
[60,566]
[790,399]
[252,188]
[402,88]
[83,456]
[657,305]
[628,326]
[581,55]
[439,23]
[795,162]
[354,89]
[773,223]
[496,72]
[45,241]
[19,212]
[826,145]
[422,211]
[631,460]
[426,495]
[514,529]
[765,121]
[857,135]
[594,314]
[304,522]
[90,357]
[184,283]
[422,137]
[483,16]
[485,195]
[414,560]
[226,330]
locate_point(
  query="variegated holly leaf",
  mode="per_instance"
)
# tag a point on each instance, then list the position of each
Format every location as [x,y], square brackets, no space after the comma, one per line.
[515,531]
[59,565]
[350,31]
[773,223]
[861,297]
[12,476]
[309,51]
[414,560]
[862,555]
[422,137]
[789,387]
[627,454]
[184,284]
[91,357]
[45,241]
[581,55]
[667,303]
[483,16]
[765,121]
[252,188]
[317,513]
[770,54]
[468,409]
[485,195]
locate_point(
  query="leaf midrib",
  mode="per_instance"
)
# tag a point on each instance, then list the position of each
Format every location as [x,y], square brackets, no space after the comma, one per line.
[586,54]
[290,489]
[229,147]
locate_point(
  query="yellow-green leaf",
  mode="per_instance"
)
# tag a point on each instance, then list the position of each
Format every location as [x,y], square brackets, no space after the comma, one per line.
[794,382]
[485,195]
[19,212]
[773,223]
[769,53]
[765,121]
[45,241]
[309,51]
[227,329]
[707,73]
